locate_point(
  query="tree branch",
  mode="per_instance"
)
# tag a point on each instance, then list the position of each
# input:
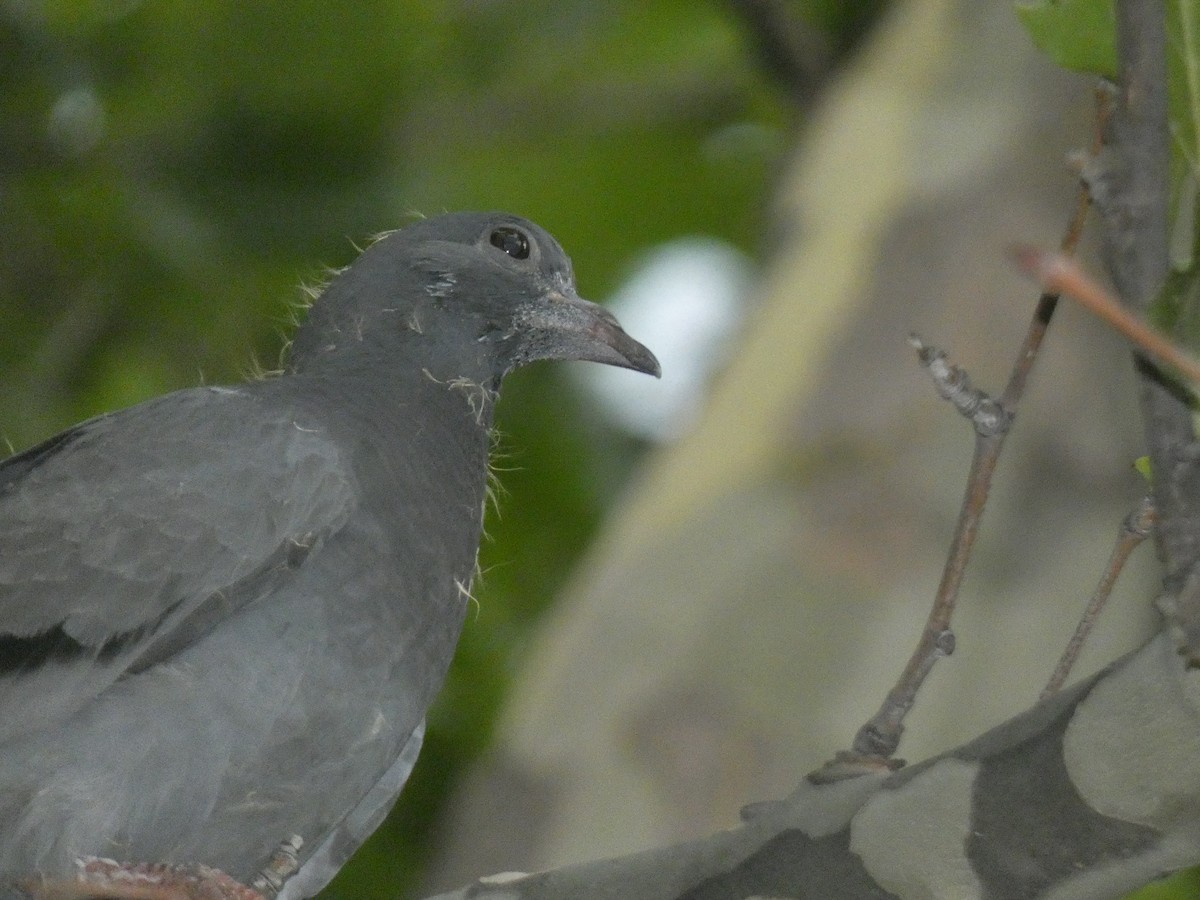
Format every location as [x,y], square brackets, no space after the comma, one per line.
[1129,184]
[1059,799]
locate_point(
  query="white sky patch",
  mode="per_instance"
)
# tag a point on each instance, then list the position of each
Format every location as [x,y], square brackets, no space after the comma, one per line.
[684,301]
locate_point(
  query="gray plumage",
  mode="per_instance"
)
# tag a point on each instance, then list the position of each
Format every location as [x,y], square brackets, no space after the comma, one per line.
[224,612]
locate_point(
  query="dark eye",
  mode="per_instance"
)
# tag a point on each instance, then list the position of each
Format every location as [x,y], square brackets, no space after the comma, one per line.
[511,241]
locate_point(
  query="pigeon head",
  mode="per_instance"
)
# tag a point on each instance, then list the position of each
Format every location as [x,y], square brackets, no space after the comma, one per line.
[471,295]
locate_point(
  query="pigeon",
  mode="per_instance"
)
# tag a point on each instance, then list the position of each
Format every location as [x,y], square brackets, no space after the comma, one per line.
[225,611]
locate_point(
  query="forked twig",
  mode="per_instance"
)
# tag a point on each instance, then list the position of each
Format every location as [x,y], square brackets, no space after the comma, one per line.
[877,740]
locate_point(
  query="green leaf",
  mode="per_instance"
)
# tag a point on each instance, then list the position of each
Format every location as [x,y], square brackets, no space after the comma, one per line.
[1183,84]
[1142,465]
[1077,34]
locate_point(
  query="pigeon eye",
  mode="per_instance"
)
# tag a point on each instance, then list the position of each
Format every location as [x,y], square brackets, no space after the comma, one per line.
[511,241]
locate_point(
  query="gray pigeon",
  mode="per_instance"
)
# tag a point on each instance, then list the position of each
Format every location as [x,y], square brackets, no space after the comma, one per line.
[224,612]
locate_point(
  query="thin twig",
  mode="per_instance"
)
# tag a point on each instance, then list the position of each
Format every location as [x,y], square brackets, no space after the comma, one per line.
[880,736]
[1048,302]
[1134,529]
[877,740]
[1059,273]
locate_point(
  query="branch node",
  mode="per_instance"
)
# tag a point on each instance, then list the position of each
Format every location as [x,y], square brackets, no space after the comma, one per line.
[848,764]
[944,643]
[952,383]
[1140,521]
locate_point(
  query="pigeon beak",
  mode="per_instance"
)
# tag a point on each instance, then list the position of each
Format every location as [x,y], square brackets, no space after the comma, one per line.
[589,331]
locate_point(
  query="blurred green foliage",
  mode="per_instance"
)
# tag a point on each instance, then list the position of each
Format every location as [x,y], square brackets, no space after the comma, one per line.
[1183,885]
[1077,34]
[170,171]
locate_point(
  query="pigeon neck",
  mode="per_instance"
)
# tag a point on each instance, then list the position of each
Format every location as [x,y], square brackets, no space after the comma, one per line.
[388,352]
[408,364]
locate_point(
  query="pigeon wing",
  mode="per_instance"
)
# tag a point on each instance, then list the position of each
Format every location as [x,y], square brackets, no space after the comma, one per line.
[128,536]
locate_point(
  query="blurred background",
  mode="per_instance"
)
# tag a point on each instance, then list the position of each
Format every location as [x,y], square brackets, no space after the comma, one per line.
[694,590]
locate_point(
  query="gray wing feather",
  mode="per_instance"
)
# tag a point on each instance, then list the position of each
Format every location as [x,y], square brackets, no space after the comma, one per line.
[359,824]
[128,535]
